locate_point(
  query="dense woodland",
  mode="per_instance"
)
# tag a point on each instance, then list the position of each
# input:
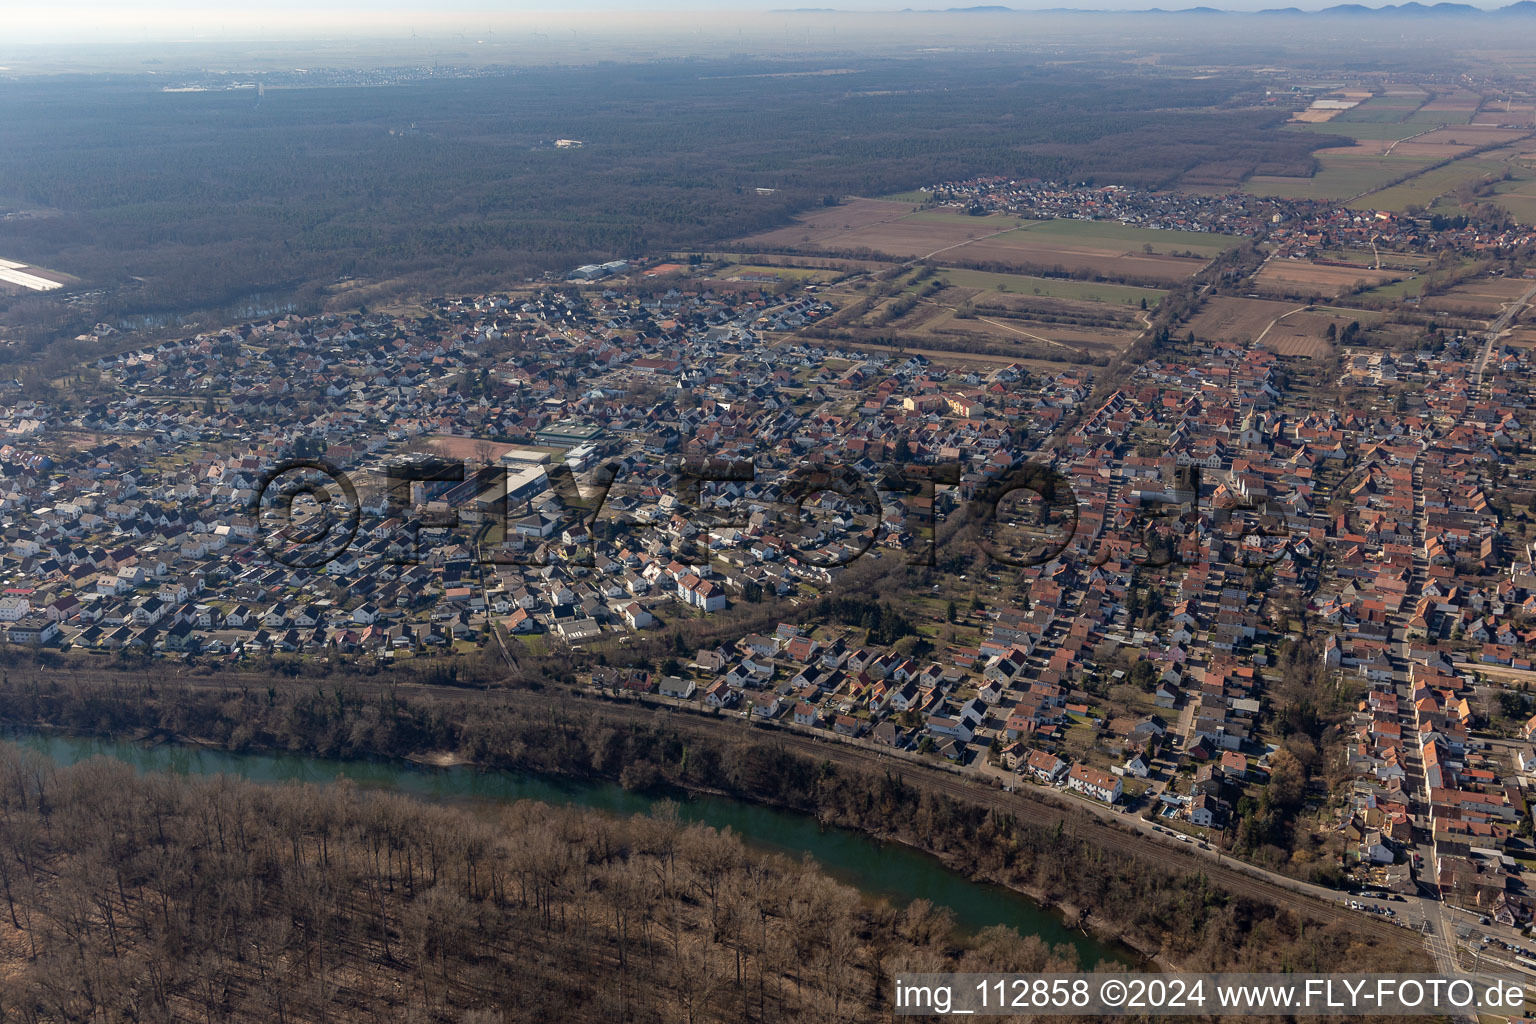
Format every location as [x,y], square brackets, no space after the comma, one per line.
[194,200]
[1182,915]
[162,898]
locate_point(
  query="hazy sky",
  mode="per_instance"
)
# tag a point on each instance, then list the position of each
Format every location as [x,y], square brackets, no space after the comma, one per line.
[68,20]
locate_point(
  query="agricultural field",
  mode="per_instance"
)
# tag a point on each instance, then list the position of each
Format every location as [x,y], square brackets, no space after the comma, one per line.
[1313,115]
[1405,261]
[1343,173]
[1455,107]
[1305,333]
[1285,328]
[1364,131]
[1484,297]
[1472,135]
[978,360]
[1227,318]
[1058,247]
[776,262]
[1394,106]
[1112,234]
[21,277]
[1064,343]
[1290,277]
[1384,151]
[1048,320]
[1521,337]
[816,226]
[1050,287]
[1424,189]
[1407,288]
[1008,327]
[1519,195]
[888,229]
[1507,112]
[759,273]
[1326,108]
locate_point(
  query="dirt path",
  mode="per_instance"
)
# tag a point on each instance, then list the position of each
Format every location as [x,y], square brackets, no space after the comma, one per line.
[1282,316]
[968,241]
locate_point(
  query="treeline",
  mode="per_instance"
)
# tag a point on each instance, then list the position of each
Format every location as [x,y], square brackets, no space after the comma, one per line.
[885,623]
[1182,915]
[166,898]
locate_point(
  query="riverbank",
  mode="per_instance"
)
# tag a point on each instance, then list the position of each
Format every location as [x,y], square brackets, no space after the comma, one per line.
[1182,912]
[1134,948]
[173,897]
[894,872]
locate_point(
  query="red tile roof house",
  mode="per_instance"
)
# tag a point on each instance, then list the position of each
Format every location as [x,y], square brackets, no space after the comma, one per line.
[1095,783]
[1046,767]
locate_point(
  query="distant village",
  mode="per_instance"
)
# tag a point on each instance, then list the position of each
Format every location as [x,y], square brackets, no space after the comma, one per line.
[1299,227]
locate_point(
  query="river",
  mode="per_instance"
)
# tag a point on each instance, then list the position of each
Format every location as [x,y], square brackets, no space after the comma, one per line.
[886,870]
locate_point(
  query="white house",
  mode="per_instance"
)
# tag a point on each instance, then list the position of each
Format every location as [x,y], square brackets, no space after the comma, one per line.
[1374,849]
[33,630]
[958,728]
[676,687]
[1045,766]
[1092,782]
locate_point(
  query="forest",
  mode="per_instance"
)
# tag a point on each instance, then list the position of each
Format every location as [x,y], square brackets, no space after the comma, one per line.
[165,898]
[181,201]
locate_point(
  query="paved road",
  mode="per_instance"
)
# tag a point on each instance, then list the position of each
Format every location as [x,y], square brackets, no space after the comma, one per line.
[1498,328]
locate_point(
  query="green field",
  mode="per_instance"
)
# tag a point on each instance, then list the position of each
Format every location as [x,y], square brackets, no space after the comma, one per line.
[1204,243]
[1518,196]
[913,196]
[1364,131]
[1520,207]
[1340,177]
[1408,286]
[1422,190]
[1389,260]
[1382,109]
[782,273]
[1425,118]
[1050,287]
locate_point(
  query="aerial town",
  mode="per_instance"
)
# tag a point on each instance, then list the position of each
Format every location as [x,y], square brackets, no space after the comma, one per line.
[1268,505]
[741,516]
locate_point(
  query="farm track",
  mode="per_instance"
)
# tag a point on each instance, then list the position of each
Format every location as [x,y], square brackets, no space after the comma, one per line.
[1247,881]
[1265,333]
